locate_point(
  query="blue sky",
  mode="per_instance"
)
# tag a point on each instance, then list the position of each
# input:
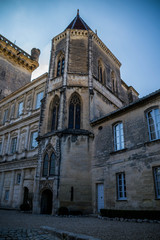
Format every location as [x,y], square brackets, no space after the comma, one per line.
[130,29]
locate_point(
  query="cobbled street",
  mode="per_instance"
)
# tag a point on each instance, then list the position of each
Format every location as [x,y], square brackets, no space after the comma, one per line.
[24,234]
[16,225]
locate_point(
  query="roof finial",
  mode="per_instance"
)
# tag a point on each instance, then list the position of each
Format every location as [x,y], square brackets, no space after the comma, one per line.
[78,12]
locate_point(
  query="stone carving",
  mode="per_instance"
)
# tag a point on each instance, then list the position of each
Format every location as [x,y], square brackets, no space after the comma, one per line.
[46,184]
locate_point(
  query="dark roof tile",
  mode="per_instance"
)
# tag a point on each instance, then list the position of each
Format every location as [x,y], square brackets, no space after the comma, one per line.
[78,23]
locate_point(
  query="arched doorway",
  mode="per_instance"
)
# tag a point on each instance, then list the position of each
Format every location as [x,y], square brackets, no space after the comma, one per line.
[25,196]
[46,202]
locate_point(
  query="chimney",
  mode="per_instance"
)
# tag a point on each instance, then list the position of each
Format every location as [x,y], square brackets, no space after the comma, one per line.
[35,52]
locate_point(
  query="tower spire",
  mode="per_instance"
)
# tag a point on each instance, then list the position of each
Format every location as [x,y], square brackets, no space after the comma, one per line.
[78,23]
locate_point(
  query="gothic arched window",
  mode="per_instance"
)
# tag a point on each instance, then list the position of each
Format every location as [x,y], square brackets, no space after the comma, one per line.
[52,164]
[58,68]
[45,165]
[54,113]
[114,82]
[49,164]
[101,72]
[60,65]
[74,112]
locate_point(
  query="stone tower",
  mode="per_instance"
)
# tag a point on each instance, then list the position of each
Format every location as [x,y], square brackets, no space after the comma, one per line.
[16,66]
[84,83]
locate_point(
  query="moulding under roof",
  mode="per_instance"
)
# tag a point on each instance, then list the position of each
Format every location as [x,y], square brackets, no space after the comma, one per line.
[16,55]
[85,33]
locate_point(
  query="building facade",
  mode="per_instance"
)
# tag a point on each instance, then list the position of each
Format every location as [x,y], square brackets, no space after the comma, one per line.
[97,142]
[18,145]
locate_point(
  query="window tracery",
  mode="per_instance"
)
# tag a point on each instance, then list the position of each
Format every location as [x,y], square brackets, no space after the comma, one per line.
[114,82]
[60,65]
[55,111]
[101,72]
[74,112]
[49,164]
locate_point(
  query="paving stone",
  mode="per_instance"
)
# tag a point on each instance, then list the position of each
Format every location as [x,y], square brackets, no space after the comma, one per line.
[15,225]
[21,234]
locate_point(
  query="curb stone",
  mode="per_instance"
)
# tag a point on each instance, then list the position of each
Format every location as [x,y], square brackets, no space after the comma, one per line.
[129,220]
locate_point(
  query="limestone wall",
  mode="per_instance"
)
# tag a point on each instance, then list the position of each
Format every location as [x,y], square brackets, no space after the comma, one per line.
[136,160]
[75,172]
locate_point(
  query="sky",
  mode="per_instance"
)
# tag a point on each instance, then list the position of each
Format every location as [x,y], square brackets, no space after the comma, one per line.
[129,28]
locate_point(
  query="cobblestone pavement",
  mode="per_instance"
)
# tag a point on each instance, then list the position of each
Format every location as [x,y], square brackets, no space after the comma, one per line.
[16,225]
[25,234]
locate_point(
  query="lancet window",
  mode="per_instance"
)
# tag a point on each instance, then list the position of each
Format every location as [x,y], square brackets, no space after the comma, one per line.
[49,164]
[60,65]
[114,82]
[101,72]
[74,112]
[55,111]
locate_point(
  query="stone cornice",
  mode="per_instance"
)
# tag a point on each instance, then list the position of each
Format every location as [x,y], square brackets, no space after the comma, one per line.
[103,46]
[18,164]
[140,102]
[129,87]
[26,87]
[21,122]
[60,36]
[85,33]
[61,133]
[107,93]
[16,55]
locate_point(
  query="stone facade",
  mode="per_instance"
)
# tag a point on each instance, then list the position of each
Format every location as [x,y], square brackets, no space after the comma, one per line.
[18,151]
[16,66]
[96,146]
[137,159]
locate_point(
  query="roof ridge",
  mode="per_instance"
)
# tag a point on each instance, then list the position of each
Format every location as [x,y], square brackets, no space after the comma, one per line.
[78,23]
[86,26]
[74,21]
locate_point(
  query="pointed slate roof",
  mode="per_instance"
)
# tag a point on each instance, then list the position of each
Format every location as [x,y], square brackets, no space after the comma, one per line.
[78,23]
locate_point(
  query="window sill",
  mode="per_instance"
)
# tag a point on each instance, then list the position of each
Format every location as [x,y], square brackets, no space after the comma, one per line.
[122,200]
[119,151]
[152,142]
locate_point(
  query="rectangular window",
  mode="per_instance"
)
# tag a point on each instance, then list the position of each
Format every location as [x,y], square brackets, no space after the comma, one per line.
[5,117]
[13,145]
[121,186]
[157,181]
[153,118]
[20,109]
[18,178]
[6,196]
[38,100]
[118,137]
[33,142]
[0,148]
